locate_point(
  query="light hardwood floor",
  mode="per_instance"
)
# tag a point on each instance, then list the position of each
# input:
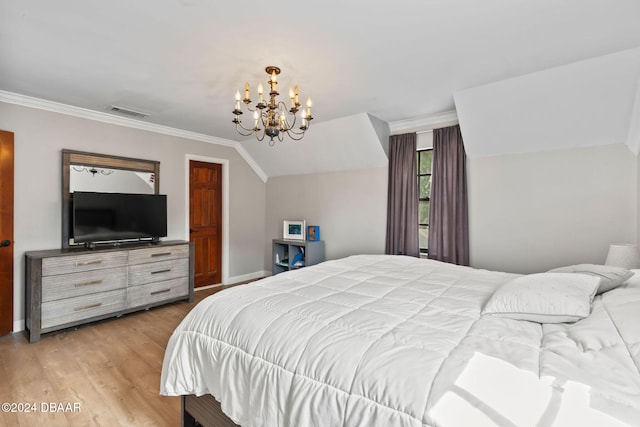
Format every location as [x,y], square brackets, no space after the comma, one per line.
[110,370]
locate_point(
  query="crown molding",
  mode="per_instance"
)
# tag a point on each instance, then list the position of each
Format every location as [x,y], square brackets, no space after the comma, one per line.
[57,107]
[434,121]
[251,161]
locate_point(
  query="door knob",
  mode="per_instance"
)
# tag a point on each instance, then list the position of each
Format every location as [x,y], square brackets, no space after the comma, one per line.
[5,243]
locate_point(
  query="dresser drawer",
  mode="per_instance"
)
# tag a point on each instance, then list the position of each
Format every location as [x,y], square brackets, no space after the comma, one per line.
[85,262]
[157,292]
[161,253]
[158,271]
[77,284]
[69,310]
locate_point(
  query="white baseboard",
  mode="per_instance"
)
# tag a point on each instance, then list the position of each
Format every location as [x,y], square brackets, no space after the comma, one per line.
[250,276]
[238,279]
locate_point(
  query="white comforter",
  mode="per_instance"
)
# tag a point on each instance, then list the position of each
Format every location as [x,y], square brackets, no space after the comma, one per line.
[374,340]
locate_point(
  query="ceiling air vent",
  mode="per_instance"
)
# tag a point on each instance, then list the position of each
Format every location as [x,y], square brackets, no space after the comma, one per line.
[128,112]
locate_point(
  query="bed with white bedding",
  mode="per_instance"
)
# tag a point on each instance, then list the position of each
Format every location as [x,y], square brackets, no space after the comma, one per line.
[375,340]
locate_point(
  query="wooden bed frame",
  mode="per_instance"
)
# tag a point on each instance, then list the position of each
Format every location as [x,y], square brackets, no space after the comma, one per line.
[203,411]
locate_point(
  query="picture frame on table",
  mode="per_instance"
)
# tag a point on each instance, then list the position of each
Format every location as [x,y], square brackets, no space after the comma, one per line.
[294,229]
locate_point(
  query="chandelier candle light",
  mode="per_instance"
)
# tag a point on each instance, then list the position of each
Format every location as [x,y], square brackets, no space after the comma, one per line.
[271,118]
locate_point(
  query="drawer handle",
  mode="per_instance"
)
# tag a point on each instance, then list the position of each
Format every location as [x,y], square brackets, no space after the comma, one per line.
[85,307]
[160,292]
[95,261]
[161,254]
[93,282]
[161,271]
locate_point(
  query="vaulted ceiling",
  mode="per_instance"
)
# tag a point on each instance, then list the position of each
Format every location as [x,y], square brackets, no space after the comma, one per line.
[365,65]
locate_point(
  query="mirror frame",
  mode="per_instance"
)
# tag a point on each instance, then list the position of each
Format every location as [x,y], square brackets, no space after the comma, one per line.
[72,157]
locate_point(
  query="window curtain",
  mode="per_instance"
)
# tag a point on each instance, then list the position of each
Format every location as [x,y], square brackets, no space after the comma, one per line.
[402,199]
[448,214]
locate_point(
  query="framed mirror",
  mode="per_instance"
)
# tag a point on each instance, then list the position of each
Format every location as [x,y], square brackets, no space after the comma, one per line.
[103,173]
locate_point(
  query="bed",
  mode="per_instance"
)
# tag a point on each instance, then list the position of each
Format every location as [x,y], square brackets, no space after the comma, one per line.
[376,340]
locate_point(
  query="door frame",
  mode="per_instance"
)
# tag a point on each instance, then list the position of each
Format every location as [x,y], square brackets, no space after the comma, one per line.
[225,209]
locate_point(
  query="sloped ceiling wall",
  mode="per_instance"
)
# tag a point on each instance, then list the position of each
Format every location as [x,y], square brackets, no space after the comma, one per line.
[593,102]
[587,103]
[353,142]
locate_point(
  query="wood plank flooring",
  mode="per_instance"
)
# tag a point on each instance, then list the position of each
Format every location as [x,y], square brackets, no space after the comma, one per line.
[103,374]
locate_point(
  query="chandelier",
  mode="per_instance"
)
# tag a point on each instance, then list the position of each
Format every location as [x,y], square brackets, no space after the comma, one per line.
[271,117]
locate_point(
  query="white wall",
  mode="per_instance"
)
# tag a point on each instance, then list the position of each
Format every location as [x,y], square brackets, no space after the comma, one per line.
[350,207]
[531,212]
[528,212]
[41,135]
[638,200]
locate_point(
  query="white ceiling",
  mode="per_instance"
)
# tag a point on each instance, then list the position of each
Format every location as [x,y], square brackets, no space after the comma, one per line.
[182,61]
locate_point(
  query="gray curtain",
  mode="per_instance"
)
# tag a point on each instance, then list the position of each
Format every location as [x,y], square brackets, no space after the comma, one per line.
[448,213]
[402,199]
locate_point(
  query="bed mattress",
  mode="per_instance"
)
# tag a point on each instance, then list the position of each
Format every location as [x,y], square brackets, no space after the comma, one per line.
[376,340]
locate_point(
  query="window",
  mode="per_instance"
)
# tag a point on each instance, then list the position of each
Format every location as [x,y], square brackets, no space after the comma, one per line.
[424,158]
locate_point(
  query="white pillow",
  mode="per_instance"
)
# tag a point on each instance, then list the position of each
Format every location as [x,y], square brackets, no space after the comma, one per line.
[544,298]
[633,281]
[610,277]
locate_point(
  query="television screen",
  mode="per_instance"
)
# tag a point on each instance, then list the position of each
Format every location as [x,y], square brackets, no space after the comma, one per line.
[100,217]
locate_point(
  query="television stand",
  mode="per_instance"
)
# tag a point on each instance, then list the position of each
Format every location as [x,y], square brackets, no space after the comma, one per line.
[74,286]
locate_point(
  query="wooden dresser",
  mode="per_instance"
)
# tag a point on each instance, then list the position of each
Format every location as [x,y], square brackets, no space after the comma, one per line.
[70,287]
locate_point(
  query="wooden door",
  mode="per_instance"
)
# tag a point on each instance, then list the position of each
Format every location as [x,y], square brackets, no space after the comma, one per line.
[6,232]
[205,221]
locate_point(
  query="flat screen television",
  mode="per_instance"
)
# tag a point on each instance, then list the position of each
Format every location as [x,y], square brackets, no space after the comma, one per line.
[117,217]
